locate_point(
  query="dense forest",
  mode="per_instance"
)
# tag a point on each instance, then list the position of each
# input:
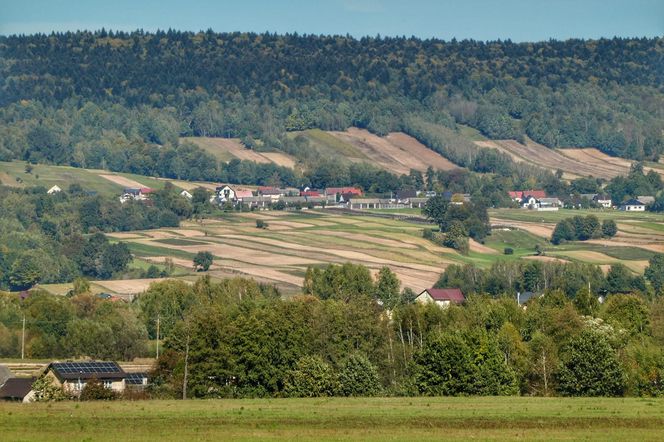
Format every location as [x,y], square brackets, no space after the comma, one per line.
[121,100]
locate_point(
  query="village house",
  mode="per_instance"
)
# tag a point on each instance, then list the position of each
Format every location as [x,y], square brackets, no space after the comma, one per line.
[54,189]
[633,205]
[441,297]
[603,200]
[186,194]
[272,192]
[334,191]
[226,194]
[523,196]
[135,194]
[73,376]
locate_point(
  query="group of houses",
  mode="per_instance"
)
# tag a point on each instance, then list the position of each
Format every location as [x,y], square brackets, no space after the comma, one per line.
[538,200]
[72,377]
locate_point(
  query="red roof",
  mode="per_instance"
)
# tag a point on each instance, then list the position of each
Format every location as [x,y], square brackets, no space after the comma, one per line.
[146,190]
[343,190]
[310,193]
[523,193]
[453,295]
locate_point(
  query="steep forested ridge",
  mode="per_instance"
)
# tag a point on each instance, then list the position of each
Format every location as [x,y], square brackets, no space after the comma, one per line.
[606,93]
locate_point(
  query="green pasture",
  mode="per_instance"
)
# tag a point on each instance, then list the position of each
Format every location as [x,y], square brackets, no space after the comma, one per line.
[366,419]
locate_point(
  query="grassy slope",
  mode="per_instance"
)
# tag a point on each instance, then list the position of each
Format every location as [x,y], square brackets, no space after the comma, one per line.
[339,419]
[49,176]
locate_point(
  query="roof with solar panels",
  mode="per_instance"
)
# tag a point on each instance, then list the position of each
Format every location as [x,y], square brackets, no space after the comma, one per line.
[87,370]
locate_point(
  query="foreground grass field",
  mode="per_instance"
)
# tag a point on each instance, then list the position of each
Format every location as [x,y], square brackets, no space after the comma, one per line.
[339,419]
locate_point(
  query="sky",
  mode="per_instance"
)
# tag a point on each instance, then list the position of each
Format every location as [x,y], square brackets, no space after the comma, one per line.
[518,20]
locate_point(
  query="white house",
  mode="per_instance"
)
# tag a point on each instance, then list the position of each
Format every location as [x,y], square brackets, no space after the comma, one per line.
[441,297]
[54,189]
[633,205]
[225,193]
[186,194]
[603,200]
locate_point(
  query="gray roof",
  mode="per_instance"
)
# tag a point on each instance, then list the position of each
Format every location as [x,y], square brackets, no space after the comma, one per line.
[5,373]
[16,388]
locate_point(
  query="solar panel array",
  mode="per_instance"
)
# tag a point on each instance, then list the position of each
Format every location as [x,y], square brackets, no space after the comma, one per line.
[86,367]
[135,378]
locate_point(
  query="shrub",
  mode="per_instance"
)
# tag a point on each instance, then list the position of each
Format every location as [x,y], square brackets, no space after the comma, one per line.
[311,377]
[260,224]
[94,390]
[508,251]
[359,377]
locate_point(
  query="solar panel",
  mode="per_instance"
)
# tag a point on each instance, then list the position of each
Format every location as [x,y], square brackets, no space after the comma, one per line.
[135,378]
[87,367]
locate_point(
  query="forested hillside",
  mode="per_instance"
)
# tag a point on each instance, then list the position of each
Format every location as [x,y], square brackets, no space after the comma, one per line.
[105,99]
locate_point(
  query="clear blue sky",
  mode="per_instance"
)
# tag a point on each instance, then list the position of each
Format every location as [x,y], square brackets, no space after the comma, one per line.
[519,20]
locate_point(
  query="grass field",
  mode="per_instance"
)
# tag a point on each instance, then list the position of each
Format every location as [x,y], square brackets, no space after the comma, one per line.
[366,419]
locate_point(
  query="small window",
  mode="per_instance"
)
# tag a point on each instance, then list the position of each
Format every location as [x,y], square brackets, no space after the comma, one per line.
[108,384]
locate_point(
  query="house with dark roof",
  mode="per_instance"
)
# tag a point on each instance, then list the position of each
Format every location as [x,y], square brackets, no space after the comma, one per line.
[17,390]
[73,376]
[441,297]
[633,205]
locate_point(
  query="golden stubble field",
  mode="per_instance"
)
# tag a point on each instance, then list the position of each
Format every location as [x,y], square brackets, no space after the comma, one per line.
[293,241]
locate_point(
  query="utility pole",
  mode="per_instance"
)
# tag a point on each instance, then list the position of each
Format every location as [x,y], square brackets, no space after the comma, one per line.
[186,368]
[158,317]
[23,340]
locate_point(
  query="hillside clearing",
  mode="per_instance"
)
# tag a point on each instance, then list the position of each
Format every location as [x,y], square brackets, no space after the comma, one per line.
[574,162]
[397,152]
[226,149]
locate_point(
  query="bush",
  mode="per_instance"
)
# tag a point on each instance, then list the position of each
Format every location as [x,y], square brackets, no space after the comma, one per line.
[311,377]
[260,224]
[359,377]
[508,251]
[94,390]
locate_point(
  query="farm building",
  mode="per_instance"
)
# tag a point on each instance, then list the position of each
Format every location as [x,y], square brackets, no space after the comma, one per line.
[441,297]
[375,203]
[548,204]
[633,205]
[646,199]
[186,194]
[54,189]
[17,389]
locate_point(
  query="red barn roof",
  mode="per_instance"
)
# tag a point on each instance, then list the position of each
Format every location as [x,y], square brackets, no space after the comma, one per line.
[452,295]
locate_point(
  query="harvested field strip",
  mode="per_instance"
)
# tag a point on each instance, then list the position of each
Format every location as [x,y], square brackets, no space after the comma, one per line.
[398,152]
[225,149]
[180,242]
[122,181]
[575,162]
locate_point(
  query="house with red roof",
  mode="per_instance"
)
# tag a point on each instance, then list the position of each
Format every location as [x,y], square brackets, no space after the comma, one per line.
[441,297]
[332,191]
